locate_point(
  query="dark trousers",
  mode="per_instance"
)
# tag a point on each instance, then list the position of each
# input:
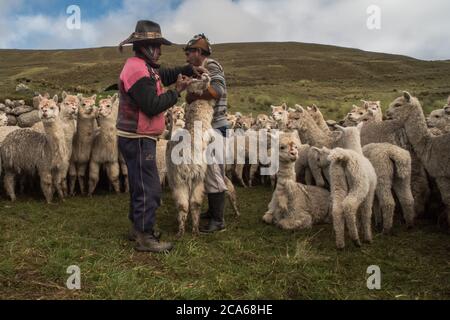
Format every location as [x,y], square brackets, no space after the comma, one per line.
[145,187]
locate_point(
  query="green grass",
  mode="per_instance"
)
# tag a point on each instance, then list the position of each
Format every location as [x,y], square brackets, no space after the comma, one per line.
[250,260]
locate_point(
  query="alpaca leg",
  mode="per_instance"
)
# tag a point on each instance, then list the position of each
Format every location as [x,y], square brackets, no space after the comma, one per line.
[57,178]
[72,178]
[94,172]
[46,186]
[268,217]
[297,223]
[113,172]
[9,183]
[402,188]
[338,223]
[239,172]
[309,179]
[195,204]
[387,206]
[181,199]
[81,172]
[350,207]
[253,170]
[366,218]
[444,189]
[231,193]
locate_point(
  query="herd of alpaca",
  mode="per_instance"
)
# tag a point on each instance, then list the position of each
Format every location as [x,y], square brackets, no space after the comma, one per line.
[350,175]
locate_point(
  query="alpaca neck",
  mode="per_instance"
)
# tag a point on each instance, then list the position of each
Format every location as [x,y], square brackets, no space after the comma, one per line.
[286,171]
[56,138]
[417,130]
[313,135]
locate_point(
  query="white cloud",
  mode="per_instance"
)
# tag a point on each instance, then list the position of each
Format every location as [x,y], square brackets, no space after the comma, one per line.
[408,27]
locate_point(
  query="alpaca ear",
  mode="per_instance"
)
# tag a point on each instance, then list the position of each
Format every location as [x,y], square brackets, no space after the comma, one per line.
[55,98]
[315,108]
[94,97]
[308,108]
[284,106]
[114,98]
[378,103]
[80,96]
[299,108]
[64,95]
[407,96]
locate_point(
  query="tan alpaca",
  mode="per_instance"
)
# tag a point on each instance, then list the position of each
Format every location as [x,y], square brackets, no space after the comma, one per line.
[3,119]
[352,118]
[27,151]
[83,141]
[186,180]
[374,108]
[439,121]
[434,152]
[280,116]
[318,118]
[295,206]
[354,201]
[105,150]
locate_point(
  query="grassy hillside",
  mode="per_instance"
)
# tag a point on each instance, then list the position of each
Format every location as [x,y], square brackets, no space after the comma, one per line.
[258,74]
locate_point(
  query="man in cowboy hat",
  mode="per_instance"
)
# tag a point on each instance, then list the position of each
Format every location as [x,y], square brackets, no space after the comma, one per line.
[198,51]
[140,121]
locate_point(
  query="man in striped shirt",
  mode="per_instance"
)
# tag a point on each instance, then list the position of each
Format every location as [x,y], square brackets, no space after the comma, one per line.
[198,51]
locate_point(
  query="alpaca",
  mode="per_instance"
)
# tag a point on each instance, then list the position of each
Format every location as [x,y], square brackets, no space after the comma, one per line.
[82,142]
[186,179]
[392,131]
[28,151]
[280,116]
[308,130]
[352,118]
[392,165]
[434,152]
[295,206]
[3,119]
[374,107]
[68,115]
[105,150]
[318,118]
[353,181]
[439,121]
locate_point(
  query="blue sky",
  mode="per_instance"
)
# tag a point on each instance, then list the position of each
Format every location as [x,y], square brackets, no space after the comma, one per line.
[407,27]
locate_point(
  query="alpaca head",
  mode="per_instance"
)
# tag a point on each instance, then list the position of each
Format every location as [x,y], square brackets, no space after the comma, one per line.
[198,86]
[356,113]
[279,113]
[107,106]
[3,119]
[176,115]
[288,145]
[244,122]
[69,106]
[88,109]
[437,119]
[48,109]
[315,113]
[299,119]
[401,108]
[231,118]
[373,107]
[320,156]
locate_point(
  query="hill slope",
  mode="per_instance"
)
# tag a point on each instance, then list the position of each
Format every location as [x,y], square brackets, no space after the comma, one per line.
[258,74]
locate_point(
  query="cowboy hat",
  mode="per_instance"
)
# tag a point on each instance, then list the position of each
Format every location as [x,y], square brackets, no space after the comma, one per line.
[147,31]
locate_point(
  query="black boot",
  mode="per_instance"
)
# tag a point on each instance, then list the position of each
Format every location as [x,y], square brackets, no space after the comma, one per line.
[216,203]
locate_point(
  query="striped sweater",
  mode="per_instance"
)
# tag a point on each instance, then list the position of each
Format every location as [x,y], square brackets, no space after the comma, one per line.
[218,83]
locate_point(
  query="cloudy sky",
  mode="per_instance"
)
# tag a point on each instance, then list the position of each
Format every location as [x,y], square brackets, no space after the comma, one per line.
[416,28]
